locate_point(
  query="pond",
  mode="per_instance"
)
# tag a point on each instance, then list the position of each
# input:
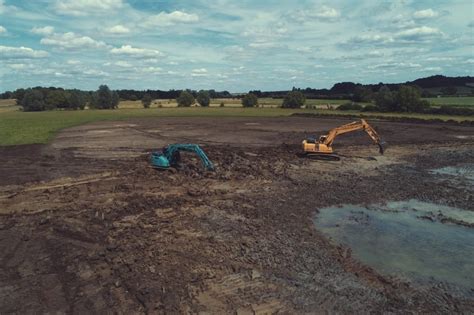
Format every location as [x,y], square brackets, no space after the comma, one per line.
[419,241]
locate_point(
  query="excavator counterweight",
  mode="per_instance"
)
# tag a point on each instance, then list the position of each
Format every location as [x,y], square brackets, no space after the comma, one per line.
[322,148]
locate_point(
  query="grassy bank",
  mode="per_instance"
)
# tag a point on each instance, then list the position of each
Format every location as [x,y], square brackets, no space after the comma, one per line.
[463,101]
[18,127]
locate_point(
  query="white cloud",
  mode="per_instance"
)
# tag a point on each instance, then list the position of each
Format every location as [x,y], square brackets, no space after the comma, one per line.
[123,64]
[439,59]
[152,69]
[2,30]
[71,41]
[372,39]
[94,73]
[327,13]
[136,52]
[17,66]
[395,65]
[46,30]
[7,52]
[323,13]
[303,49]
[87,7]
[416,34]
[73,62]
[117,30]
[375,53]
[202,72]
[432,69]
[5,8]
[425,14]
[264,45]
[419,33]
[175,17]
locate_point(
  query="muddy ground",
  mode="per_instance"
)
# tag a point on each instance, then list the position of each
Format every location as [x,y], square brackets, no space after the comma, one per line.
[86,226]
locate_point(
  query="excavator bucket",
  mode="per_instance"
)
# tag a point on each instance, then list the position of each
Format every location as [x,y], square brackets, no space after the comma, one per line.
[382,146]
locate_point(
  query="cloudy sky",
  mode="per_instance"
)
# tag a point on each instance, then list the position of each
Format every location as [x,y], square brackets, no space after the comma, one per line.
[231,45]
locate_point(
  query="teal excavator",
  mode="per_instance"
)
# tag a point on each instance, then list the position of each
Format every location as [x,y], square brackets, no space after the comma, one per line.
[169,156]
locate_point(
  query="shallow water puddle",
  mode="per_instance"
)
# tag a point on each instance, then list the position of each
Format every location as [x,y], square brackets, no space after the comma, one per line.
[407,239]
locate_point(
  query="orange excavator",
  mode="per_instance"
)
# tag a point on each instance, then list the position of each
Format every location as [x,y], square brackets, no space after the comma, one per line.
[322,148]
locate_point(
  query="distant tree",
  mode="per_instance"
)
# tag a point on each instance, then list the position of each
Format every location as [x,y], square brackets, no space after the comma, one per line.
[250,100]
[7,95]
[343,88]
[57,99]
[133,97]
[146,100]
[102,98]
[294,99]
[384,99]
[362,94]
[408,99]
[449,90]
[77,100]
[426,93]
[18,95]
[33,101]
[203,98]
[185,99]
[115,100]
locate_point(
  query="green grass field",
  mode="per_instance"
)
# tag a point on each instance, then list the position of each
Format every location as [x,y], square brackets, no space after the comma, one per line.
[18,127]
[467,101]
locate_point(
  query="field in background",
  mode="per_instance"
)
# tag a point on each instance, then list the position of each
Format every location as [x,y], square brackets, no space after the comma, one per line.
[18,127]
[8,105]
[236,102]
[467,101]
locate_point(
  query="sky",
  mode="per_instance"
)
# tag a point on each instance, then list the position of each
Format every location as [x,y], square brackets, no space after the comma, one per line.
[231,45]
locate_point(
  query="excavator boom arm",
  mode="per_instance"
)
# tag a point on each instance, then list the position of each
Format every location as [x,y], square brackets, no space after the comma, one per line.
[172,149]
[354,126]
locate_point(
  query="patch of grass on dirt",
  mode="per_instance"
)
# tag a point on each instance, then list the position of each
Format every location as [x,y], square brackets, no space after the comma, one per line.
[18,127]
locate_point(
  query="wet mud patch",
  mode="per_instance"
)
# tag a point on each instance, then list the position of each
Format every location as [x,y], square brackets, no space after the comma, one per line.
[459,172]
[420,242]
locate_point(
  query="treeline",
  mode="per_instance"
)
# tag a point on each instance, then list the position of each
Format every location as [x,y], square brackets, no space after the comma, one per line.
[445,86]
[405,99]
[41,99]
[134,95]
[429,87]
